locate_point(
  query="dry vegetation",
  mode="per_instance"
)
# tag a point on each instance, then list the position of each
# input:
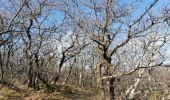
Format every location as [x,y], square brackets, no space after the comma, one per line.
[84,49]
[61,93]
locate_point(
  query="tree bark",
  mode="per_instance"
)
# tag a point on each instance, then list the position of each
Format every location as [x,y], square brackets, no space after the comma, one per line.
[130,93]
[30,76]
[100,82]
[112,89]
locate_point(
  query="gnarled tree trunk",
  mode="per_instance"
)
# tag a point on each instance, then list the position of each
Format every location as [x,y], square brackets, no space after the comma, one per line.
[100,82]
[130,93]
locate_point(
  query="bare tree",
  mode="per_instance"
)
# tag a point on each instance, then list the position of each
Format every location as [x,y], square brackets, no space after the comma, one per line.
[106,21]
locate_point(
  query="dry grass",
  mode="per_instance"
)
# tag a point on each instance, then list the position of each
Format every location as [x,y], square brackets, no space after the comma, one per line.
[61,93]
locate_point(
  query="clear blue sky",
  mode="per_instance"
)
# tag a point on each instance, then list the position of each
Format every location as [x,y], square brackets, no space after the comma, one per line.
[140,8]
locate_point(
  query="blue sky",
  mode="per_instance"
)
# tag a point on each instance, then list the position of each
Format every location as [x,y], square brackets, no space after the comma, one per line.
[140,8]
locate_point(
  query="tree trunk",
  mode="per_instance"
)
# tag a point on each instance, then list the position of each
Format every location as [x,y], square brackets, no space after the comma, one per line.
[102,90]
[35,80]
[58,73]
[1,67]
[100,82]
[56,78]
[30,77]
[130,93]
[112,80]
[112,89]
[67,77]
[30,72]
[43,81]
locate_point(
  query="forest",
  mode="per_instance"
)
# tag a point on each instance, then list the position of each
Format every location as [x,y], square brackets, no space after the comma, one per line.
[84,49]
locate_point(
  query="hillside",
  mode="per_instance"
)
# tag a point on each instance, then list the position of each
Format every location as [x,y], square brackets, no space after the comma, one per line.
[62,93]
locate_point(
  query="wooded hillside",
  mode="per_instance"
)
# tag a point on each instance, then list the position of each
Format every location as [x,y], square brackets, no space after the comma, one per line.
[84,49]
